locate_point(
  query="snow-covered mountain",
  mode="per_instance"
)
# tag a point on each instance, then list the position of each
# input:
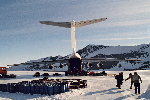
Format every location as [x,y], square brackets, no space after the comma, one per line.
[100,51]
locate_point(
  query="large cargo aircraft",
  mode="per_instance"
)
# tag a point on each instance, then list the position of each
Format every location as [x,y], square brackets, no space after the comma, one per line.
[75,60]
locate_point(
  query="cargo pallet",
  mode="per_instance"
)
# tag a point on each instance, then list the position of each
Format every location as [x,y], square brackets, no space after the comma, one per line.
[43,86]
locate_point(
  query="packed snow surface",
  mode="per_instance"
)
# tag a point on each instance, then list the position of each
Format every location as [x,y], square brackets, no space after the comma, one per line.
[99,87]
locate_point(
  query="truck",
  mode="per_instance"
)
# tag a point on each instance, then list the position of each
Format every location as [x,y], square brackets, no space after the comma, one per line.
[3,73]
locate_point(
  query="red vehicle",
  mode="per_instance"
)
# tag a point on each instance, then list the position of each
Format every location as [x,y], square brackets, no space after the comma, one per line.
[3,70]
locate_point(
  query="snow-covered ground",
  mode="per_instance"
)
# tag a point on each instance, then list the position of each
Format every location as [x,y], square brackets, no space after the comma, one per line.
[99,87]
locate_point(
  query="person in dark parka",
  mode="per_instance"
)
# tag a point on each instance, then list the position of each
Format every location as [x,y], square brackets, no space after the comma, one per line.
[119,80]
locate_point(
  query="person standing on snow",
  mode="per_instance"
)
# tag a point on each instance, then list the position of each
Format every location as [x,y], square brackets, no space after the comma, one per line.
[136,79]
[130,76]
[119,80]
[122,77]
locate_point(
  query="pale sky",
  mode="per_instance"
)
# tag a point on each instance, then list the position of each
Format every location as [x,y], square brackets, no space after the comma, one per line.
[23,38]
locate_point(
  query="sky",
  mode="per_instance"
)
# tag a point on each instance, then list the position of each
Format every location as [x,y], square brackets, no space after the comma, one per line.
[23,38]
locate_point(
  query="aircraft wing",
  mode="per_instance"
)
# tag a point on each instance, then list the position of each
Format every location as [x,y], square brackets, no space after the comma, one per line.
[56,61]
[43,62]
[88,22]
[107,59]
[60,24]
[83,60]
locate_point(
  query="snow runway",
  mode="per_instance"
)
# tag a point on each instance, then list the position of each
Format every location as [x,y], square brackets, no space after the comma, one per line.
[99,87]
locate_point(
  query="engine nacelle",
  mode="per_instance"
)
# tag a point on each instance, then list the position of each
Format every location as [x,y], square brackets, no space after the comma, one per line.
[61,65]
[100,65]
[51,66]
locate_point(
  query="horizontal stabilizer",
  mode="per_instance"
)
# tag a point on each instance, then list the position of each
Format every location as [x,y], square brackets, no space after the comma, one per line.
[77,24]
[88,22]
[60,24]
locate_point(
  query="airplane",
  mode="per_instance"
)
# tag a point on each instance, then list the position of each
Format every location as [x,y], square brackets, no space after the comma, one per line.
[75,60]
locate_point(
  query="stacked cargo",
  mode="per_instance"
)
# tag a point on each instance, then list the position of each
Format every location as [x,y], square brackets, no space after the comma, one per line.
[44,86]
[35,87]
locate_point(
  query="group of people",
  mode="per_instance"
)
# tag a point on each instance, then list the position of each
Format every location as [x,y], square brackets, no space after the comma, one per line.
[134,79]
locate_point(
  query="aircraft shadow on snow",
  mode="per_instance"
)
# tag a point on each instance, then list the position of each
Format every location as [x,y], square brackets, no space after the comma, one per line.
[109,91]
[112,91]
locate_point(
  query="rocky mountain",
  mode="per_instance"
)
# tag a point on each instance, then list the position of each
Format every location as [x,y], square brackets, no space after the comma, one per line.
[100,51]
